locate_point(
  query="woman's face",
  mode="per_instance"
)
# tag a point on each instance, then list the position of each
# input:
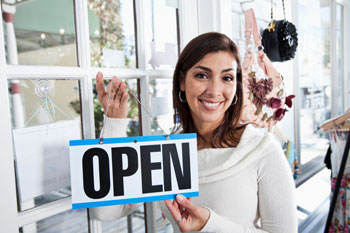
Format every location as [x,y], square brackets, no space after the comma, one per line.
[210,86]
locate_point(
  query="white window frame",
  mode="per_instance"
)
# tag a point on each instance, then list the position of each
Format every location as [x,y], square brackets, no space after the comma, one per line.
[85,74]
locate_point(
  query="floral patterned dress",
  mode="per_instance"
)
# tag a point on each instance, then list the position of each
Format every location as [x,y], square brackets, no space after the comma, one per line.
[341,216]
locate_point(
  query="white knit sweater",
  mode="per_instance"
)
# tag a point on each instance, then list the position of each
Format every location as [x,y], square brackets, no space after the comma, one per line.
[247,189]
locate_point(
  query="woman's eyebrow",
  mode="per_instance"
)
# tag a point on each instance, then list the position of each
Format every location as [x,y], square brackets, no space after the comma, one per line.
[227,70]
[203,68]
[209,70]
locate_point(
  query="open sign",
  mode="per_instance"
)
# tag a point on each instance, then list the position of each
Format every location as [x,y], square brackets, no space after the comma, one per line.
[133,169]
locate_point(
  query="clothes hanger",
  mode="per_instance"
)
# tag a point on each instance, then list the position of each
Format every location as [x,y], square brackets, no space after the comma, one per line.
[340,123]
[243,2]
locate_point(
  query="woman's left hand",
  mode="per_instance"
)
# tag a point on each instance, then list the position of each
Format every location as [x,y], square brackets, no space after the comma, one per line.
[188,216]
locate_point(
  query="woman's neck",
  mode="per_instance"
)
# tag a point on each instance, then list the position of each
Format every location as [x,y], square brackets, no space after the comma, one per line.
[205,141]
[206,131]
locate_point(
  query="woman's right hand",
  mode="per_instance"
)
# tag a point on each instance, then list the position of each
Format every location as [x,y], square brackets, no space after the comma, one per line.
[118,100]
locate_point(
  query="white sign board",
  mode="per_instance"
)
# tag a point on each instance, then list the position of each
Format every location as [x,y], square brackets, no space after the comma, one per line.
[42,157]
[133,169]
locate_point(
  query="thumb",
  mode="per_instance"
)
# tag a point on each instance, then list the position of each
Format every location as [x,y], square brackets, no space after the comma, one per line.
[184,202]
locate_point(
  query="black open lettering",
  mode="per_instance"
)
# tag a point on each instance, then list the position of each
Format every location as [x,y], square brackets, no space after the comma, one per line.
[118,172]
[88,173]
[183,177]
[147,167]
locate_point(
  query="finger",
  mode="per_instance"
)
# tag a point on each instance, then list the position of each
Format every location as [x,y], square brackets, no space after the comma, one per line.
[110,90]
[116,87]
[99,84]
[120,90]
[184,202]
[175,212]
[124,97]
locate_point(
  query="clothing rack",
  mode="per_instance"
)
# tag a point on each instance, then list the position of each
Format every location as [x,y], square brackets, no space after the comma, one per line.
[337,185]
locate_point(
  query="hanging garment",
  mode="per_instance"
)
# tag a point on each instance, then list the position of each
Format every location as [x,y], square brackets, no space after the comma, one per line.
[327,158]
[265,101]
[340,221]
[338,141]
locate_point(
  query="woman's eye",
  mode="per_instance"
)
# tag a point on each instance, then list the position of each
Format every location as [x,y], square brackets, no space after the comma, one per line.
[228,78]
[201,75]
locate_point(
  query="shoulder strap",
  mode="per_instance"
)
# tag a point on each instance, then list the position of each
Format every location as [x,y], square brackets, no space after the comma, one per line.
[251,27]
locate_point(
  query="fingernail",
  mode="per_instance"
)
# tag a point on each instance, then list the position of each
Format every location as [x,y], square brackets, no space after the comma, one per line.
[179,197]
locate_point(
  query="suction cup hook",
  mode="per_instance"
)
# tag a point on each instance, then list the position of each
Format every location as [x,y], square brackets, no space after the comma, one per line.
[42,88]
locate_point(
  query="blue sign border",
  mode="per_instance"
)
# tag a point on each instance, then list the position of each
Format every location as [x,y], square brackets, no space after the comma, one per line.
[130,200]
[86,142]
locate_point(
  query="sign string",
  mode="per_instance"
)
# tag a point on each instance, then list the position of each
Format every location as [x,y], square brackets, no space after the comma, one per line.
[144,108]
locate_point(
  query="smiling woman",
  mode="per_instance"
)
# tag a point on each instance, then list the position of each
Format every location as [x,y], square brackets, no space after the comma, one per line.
[210,88]
[239,167]
[212,81]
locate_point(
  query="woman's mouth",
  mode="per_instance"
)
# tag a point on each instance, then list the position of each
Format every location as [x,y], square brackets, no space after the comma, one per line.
[210,105]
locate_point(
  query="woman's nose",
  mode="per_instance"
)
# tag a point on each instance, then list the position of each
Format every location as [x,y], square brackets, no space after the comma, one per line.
[214,87]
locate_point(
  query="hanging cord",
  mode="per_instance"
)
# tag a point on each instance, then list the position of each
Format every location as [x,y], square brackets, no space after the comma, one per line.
[284,10]
[150,115]
[271,10]
[144,108]
[337,185]
[104,120]
[45,105]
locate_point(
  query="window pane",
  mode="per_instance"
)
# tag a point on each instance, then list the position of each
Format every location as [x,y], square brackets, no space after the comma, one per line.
[134,126]
[112,33]
[42,33]
[72,221]
[45,116]
[162,106]
[161,48]
[314,76]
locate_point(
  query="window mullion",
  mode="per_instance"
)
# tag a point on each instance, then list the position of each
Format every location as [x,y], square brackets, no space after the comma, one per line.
[83,52]
[2,47]
[144,95]
[8,202]
[188,12]
[82,32]
[296,89]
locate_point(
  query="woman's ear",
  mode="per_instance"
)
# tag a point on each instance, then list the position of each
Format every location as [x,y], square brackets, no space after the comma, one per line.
[182,85]
[182,81]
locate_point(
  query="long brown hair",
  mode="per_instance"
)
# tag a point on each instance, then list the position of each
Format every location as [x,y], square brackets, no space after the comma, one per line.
[226,133]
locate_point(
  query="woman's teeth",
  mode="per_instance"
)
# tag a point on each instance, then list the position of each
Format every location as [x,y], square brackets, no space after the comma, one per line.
[210,104]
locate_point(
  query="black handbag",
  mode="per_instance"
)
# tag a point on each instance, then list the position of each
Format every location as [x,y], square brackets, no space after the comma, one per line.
[280,39]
